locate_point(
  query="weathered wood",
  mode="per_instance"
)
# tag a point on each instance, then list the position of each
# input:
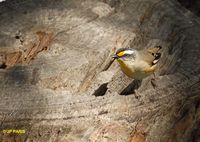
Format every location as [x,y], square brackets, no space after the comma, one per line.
[71,91]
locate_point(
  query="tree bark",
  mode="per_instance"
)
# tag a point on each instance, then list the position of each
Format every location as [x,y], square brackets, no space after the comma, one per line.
[59,83]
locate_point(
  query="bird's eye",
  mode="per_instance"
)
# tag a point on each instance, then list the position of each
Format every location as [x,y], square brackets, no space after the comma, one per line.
[152,54]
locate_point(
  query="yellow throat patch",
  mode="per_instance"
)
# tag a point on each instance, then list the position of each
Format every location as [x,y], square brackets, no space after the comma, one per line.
[120,53]
[125,68]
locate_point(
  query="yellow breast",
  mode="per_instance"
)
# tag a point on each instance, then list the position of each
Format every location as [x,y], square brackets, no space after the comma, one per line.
[129,72]
[137,70]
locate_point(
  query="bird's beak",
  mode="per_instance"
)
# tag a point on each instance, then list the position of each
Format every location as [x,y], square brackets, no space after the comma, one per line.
[115,56]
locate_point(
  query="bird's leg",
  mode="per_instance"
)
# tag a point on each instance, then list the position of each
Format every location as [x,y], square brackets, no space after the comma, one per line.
[154,75]
[137,85]
[153,81]
[150,70]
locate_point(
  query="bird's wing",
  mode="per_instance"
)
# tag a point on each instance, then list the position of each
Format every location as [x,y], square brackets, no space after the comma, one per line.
[154,51]
[151,55]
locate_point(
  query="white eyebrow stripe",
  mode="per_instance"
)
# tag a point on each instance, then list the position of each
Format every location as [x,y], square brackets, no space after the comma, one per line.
[128,52]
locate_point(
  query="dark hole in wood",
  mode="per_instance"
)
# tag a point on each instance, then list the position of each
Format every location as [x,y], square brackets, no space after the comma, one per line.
[25,12]
[3,66]
[17,37]
[101,90]
[130,89]
[45,48]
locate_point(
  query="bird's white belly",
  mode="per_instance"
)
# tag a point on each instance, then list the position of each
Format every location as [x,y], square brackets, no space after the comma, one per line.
[138,69]
[139,75]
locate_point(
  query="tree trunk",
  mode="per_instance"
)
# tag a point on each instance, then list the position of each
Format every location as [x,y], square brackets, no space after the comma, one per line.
[59,83]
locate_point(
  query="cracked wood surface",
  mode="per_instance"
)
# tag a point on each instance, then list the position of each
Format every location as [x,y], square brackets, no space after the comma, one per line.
[74,92]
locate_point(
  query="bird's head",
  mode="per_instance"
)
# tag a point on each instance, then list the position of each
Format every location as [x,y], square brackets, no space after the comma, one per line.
[124,54]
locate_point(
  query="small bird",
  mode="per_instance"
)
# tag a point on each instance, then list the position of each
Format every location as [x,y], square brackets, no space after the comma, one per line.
[138,64]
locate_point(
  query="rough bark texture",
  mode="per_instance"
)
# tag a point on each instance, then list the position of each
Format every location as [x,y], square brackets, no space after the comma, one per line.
[57,80]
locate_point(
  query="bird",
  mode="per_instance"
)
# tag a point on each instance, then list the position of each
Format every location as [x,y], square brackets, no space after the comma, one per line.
[138,64]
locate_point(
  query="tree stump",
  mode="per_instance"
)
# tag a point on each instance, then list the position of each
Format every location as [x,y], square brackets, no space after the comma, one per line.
[58,82]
